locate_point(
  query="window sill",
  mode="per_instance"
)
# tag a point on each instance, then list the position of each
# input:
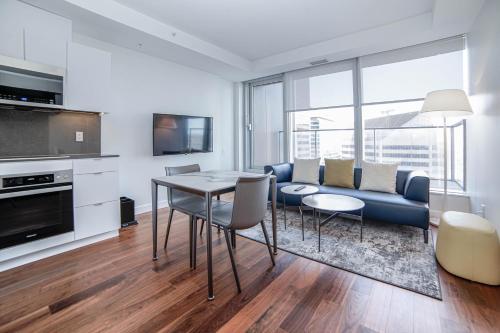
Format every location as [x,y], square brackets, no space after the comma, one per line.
[436,191]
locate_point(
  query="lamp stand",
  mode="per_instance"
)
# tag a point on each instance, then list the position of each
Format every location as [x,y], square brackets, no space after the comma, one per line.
[445,185]
[444,203]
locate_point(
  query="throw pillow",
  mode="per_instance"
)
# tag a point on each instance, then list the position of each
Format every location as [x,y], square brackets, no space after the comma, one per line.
[306,171]
[339,173]
[378,177]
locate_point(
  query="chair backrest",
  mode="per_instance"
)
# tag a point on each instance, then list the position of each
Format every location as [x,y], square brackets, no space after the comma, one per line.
[176,195]
[250,201]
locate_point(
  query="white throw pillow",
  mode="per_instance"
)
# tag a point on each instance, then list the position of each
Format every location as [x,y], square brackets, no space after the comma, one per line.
[378,177]
[306,171]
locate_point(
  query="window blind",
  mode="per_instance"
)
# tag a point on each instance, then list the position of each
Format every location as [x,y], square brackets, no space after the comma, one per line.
[320,87]
[411,72]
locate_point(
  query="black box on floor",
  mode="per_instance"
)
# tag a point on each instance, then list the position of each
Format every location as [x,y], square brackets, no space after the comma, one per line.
[127,212]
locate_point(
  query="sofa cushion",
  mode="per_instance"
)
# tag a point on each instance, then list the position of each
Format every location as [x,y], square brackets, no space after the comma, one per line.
[379,177]
[306,171]
[339,173]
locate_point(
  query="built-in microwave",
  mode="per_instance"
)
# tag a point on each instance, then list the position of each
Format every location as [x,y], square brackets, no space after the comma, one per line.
[23,83]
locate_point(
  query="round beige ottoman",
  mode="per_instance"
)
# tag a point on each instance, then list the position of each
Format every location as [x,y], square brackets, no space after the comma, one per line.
[468,246]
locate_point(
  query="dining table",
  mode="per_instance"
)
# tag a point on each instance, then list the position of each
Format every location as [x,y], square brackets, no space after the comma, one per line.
[207,184]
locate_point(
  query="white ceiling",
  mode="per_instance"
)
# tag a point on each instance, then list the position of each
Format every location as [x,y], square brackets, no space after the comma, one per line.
[245,39]
[260,28]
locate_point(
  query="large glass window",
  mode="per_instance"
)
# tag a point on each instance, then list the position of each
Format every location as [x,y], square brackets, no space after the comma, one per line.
[320,105]
[394,86]
[369,108]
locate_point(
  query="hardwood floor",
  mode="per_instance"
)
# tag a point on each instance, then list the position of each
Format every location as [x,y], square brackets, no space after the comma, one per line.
[113,286]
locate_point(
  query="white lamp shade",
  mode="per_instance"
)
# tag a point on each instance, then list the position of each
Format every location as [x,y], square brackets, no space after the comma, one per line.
[447,103]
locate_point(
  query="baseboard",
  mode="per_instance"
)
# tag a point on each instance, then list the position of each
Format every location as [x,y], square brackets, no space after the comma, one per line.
[434,216]
[31,257]
[145,208]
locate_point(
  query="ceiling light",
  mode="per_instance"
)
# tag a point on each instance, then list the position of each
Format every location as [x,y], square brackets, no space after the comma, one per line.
[318,62]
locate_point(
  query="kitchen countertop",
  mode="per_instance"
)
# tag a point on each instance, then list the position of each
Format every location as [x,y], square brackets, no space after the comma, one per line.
[55,157]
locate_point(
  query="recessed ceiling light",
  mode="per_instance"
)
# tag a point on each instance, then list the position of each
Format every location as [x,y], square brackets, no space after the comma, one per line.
[319,62]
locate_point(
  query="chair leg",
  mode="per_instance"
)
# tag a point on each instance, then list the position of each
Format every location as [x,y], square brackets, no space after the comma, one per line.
[195,243]
[233,264]
[201,228]
[267,241]
[233,238]
[426,236]
[171,214]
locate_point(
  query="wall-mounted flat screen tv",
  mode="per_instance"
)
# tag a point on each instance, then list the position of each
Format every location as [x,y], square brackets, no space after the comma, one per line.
[179,134]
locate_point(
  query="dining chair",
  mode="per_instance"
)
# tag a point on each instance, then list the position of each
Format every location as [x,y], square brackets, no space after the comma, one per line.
[248,209]
[186,203]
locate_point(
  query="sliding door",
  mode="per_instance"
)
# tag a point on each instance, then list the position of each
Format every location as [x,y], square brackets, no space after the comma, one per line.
[264,124]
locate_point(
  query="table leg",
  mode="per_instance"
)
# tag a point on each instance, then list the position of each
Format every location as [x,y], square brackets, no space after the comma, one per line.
[154,201]
[191,242]
[208,198]
[302,216]
[319,232]
[284,209]
[274,219]
[361,233]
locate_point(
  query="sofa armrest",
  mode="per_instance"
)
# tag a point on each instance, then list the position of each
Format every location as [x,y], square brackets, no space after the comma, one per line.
[283,171]
[417,186]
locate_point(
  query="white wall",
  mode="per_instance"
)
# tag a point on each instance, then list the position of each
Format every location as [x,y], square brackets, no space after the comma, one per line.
[142,85]
[483,133]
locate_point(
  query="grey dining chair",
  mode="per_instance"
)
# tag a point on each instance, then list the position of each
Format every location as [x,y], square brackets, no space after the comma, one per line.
[247,210]
[186,203]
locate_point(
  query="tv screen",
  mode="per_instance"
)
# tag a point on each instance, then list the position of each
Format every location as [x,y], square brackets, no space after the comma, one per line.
[178,134]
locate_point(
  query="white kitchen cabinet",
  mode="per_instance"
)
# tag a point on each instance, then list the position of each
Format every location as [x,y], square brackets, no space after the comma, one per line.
[95,188]
[96,196]
[88,78]
[11,29]
[32,34]
[96,219]
[92,165]
[46,37]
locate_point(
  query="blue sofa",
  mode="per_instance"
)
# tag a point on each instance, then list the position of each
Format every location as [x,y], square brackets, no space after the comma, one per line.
[409,206]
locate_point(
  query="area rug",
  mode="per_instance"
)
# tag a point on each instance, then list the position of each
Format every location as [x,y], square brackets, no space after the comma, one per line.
[389,253]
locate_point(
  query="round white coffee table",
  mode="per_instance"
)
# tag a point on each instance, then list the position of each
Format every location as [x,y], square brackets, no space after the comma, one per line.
[302,191]
[335,205]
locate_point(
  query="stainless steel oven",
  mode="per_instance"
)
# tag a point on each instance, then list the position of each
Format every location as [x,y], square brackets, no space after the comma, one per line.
[35,206]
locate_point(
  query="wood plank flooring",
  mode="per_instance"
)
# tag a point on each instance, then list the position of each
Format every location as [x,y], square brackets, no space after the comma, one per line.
[113,286]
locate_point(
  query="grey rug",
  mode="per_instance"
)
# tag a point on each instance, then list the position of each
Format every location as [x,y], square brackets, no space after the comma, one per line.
[389,253]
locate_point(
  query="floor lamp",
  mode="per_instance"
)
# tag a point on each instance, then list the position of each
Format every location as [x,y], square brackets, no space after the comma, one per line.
[446,103]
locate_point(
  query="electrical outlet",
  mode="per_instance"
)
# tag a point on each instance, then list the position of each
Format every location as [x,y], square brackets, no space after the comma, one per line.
[79,136]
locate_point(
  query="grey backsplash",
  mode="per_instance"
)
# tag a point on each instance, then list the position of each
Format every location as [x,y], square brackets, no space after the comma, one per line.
[25,133]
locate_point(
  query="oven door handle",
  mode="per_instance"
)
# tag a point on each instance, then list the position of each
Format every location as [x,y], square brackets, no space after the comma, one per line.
[37,191]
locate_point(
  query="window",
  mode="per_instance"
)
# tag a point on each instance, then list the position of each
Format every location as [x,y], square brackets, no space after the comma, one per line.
[327,133]
[369,108]
[320,104]
[394,86]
